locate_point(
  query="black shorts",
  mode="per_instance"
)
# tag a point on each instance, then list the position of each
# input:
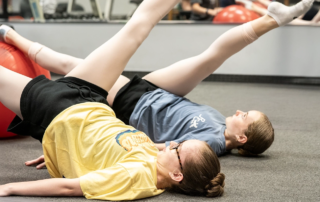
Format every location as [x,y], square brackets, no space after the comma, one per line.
[42,100]
[129,95]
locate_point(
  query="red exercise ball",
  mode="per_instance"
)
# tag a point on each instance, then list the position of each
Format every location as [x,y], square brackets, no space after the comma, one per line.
[235,14]
[13,59]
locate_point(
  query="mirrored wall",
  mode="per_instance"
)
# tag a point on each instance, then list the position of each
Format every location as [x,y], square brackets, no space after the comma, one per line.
[118,11]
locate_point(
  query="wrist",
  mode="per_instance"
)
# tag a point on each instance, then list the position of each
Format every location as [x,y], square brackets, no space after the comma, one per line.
[207,11]
[9,189]
[5,190]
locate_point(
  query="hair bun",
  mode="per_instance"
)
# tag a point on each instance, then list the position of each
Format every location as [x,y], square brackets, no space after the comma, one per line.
[244,152]
[216,186]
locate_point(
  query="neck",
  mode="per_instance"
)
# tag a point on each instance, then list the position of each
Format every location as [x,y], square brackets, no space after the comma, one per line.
[229,141]
[162,181]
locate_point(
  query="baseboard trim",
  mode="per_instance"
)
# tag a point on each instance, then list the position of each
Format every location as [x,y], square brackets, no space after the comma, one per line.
[295,80]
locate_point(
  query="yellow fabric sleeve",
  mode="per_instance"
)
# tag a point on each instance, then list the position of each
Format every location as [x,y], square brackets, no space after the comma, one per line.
[118,183]
[108,184]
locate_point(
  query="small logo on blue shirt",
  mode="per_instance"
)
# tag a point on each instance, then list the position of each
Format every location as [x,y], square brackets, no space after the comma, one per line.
[195,121]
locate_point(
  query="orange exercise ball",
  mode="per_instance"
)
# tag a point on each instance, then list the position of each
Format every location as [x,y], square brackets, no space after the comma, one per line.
[13,59]
[235,14]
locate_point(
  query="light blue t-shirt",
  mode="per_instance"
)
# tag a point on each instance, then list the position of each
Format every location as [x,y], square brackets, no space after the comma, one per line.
[166,117]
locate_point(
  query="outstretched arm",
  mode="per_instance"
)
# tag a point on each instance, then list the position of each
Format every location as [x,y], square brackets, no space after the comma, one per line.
[196,8]
[47,187]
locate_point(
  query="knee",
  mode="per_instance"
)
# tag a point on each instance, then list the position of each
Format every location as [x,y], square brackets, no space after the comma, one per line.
[141,28]
[66,65]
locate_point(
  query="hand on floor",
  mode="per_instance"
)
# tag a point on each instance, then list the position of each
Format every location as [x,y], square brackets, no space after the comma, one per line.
[39,162]
[3,191]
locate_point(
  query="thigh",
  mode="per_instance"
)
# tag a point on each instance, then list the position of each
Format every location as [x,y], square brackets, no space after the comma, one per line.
[129,95]
[182,77]
[42,100]
[122,81]
[11,87]
[104,65]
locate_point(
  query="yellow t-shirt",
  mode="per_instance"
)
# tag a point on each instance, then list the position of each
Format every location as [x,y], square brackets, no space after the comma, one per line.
[113,160]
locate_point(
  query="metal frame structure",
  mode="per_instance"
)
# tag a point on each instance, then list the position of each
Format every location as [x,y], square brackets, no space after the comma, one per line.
[5,14]
[96,9]
[39,15]
[37,11]
[107,10]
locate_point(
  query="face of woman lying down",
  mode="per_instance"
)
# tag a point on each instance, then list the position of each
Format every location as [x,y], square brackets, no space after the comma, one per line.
[168,158]
[239,122]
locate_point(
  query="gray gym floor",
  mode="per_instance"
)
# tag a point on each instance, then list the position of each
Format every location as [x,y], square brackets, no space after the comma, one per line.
[288,171]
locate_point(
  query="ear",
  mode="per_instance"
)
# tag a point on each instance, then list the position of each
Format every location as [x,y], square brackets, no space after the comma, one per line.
[242,138]
[176,176]
[172,143]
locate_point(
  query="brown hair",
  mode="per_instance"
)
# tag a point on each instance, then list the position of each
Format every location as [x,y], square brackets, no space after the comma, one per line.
[260,136]
[201,174]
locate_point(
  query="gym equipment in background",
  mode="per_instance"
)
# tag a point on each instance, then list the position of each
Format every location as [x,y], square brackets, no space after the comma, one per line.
[235,14]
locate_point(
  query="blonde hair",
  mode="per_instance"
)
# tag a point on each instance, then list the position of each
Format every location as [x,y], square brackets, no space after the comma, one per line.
[201,174]
[260,136]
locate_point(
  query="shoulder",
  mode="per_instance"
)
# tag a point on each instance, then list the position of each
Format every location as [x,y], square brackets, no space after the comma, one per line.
[142,174]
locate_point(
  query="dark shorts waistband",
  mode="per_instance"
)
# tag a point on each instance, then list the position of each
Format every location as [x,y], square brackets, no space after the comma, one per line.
[42,100]
[129,95]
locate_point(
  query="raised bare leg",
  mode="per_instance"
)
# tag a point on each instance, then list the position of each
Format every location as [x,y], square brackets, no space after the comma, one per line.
[51,60]
[11,87]
[47,58]
[181,77]
[122,80]
[103,66]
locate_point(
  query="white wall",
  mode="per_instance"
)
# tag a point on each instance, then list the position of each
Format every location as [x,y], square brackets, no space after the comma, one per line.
[286,51]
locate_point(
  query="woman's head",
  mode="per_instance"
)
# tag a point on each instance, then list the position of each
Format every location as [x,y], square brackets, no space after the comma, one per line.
[260,136]
[199,172]
[252,131]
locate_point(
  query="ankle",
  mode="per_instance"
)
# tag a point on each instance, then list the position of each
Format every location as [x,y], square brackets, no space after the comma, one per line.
[9,38]
[263,25]
[4,29]
[284,15]
[270,21]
